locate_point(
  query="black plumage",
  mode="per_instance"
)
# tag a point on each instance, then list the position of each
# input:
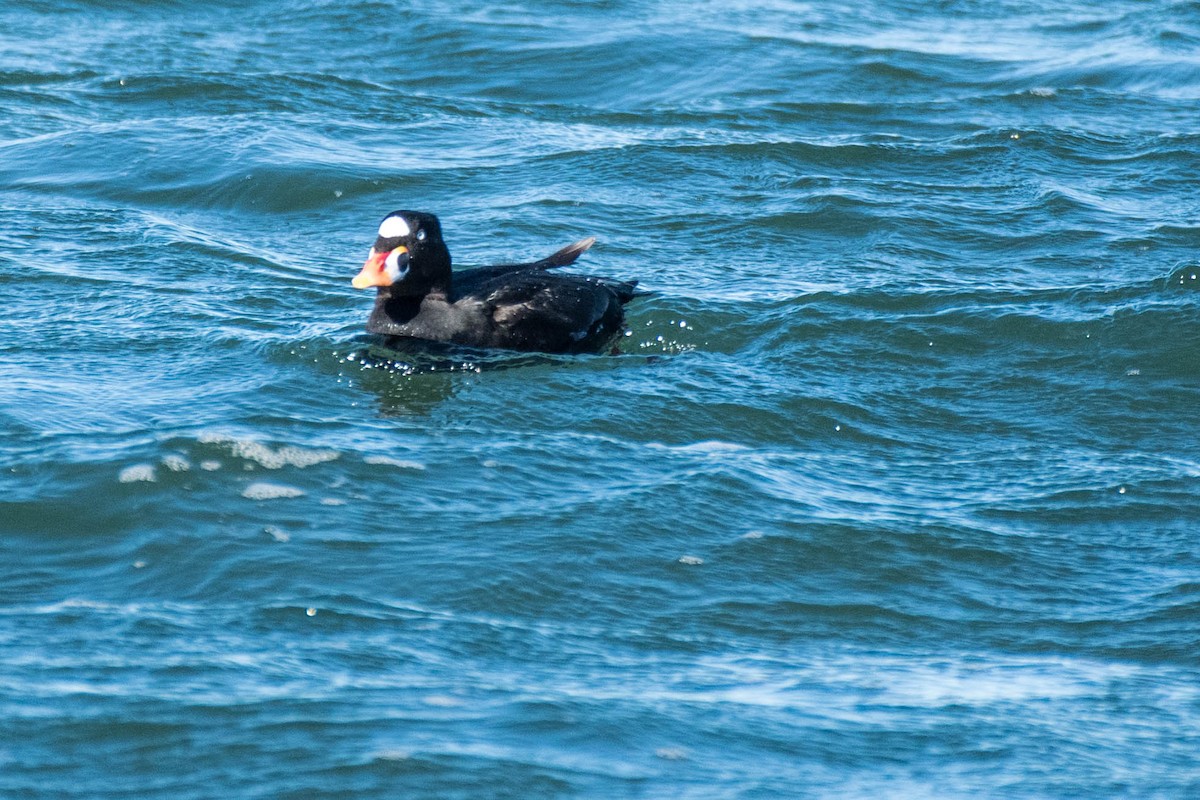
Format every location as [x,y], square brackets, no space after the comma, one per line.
[513,306]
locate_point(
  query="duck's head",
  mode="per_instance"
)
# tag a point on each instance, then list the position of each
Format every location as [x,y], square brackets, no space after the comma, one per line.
[408,257]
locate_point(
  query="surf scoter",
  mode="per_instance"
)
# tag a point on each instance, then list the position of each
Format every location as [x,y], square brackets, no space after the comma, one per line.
[511,306]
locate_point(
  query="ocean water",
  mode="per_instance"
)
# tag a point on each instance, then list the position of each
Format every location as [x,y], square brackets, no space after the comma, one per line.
[890,491]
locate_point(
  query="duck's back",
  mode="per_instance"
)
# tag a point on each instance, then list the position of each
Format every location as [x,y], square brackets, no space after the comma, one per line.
[535,310]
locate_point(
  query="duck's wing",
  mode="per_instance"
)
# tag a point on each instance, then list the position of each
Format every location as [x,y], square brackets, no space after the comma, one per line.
[531,310]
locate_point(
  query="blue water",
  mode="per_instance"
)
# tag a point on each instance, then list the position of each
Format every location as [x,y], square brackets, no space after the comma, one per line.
[891,490]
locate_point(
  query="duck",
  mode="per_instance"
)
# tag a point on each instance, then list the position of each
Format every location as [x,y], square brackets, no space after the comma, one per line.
[519,306]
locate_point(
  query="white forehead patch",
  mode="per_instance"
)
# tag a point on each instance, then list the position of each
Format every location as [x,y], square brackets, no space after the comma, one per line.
[392,227]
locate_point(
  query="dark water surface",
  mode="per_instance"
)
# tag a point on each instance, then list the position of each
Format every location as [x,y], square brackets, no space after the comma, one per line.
[891,491]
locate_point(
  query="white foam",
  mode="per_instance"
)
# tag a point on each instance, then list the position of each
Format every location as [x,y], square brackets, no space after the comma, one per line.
[262,490]
[138,472]
[176,463]
[393,462]
[277,533]
[266,456]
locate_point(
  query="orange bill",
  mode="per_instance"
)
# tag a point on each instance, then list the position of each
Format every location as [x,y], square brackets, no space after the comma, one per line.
[375,271]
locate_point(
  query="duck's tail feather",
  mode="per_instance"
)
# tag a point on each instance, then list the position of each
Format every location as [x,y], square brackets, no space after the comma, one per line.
[566,256]
[625,290]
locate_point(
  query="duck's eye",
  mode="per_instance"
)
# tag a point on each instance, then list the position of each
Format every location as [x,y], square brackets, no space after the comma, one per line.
[420,236]
[394,227]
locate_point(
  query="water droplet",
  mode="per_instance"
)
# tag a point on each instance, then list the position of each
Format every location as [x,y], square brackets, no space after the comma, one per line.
[1121,490]
[691,560]
[139,564]
[837,427]
[312,612]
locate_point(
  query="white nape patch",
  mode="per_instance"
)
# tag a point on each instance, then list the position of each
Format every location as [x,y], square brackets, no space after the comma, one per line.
[392,227]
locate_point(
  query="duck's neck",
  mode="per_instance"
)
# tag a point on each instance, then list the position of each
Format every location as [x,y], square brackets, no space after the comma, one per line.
[396,309]
[443,278]
[392,312]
